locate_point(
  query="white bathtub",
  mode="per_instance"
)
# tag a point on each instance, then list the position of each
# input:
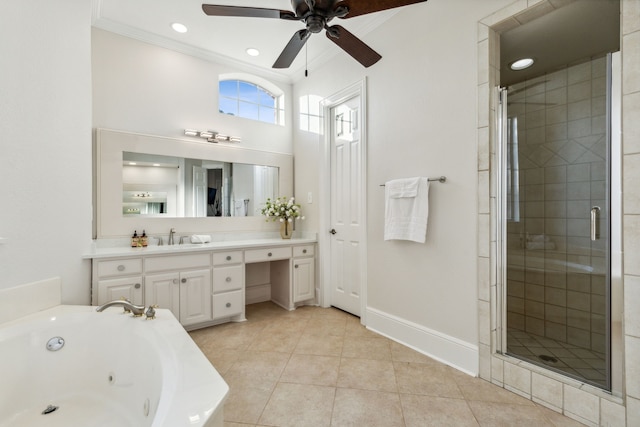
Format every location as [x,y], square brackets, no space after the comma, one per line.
[113,370]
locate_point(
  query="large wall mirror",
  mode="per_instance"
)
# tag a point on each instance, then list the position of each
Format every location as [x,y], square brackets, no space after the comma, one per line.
[152,183]
[172,186]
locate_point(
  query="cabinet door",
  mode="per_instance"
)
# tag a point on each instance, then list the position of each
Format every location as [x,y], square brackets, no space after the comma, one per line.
[163,290]
[303,279]
[195,297]
[116,289]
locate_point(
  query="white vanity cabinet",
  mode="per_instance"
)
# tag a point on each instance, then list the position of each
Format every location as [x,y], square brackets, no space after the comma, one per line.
[228,285]
[181,283]
[207,285]
[304,273]
[117,279]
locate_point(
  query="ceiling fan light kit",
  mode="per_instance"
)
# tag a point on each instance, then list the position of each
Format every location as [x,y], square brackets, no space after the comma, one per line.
[316,15]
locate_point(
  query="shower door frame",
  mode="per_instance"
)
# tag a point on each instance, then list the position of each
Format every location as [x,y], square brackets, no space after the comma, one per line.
[614,297]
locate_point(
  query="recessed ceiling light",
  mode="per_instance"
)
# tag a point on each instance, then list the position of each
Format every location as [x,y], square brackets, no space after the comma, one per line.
[521,64]
[252,51]
[178,27]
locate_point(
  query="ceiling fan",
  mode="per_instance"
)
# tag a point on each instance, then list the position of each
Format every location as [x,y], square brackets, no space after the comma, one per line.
[316,14]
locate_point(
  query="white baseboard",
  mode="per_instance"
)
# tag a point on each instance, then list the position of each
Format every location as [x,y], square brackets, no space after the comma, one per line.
[259,293]
[443,348]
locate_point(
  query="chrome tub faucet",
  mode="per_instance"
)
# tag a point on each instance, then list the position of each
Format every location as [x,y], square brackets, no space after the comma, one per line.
[137,310]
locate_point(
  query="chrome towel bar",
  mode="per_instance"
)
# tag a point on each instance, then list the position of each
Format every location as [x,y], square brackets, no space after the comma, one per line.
[441,179]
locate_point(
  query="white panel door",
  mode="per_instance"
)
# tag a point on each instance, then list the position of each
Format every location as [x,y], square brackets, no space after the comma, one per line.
[163,290]
[199,191]
[195,297]
[346,210]
[129,288]
[304,283]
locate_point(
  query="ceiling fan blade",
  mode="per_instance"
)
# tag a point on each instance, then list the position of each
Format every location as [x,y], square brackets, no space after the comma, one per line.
[357,8]
[292,49]
[251,12]
[352,45]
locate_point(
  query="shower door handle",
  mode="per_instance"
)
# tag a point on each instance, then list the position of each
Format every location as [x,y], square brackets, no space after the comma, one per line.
[595,223]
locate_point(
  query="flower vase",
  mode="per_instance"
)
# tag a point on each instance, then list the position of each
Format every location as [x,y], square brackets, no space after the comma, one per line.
[286,229]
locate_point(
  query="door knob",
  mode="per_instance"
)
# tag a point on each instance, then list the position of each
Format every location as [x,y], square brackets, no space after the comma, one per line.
[333,231]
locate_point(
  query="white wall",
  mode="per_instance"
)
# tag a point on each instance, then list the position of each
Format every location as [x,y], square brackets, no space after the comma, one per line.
[45,142]
[139,87]
[421,121]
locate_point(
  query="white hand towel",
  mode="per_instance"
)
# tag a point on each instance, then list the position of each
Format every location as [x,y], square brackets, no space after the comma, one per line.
[400,188]
[238,207]
[406,209]
[200,238]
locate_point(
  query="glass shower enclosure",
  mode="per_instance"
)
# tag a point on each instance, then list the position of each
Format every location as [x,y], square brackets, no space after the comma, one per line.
[555,202]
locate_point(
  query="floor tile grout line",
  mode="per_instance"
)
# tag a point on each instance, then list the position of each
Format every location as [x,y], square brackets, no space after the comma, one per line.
[458,381]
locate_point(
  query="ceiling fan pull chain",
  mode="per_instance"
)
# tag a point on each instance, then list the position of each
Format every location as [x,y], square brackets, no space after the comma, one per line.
[306,58]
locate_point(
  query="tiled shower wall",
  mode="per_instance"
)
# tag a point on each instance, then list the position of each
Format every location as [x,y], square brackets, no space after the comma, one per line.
[555,273]
[577,400]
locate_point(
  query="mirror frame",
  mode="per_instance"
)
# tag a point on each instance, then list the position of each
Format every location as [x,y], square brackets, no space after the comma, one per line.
[110,144]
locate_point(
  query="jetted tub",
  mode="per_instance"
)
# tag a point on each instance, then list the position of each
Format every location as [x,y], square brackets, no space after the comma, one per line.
[110,369]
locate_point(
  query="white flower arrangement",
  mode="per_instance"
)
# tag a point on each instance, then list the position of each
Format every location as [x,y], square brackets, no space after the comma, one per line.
[281,209]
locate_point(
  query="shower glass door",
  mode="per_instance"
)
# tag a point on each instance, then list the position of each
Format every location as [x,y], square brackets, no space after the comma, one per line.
[556,208]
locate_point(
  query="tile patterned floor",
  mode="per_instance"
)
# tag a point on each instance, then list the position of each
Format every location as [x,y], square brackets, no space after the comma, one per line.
[319,367]
[570,359]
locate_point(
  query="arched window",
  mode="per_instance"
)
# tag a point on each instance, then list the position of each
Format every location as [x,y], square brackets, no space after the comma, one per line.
[243,98]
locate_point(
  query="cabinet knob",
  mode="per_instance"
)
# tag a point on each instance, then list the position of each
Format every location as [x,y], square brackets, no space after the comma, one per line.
[228,257]
[137,286]
[175,281]
[304,251]
[228,279]
[296,266]
[269,254]
[228,304]
[121,267]
[184,280]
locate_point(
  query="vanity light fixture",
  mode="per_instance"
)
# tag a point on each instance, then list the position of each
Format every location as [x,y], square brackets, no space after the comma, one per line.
[521,64]
[206,134]
[212,136]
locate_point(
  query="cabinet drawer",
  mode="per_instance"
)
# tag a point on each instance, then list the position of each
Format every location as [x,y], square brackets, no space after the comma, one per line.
[227,304]
[268,254]
[120,267]
[307,250]
[176,262]
[228,278]
[224,258]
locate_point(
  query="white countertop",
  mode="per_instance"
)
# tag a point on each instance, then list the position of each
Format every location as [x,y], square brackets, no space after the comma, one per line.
[109,252]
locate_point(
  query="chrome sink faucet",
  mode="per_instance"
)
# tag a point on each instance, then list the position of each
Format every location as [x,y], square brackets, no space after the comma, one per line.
[171,233]
[137,310]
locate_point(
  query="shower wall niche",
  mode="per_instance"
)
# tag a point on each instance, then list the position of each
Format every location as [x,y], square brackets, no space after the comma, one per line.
[557,173]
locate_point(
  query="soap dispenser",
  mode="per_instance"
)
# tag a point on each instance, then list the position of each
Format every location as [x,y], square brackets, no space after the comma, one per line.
[143,239]
[134,239]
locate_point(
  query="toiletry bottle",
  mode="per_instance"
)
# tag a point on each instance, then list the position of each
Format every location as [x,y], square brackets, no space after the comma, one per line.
[143,239]
[134,239]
